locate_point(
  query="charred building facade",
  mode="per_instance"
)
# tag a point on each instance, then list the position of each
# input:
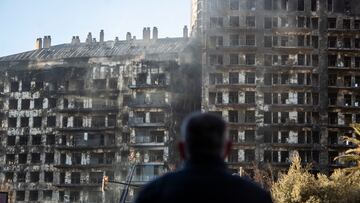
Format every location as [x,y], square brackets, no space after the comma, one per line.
[73,113]
[284,74]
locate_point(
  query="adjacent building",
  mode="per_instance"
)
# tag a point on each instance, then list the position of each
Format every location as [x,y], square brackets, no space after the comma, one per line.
[284,74]
[73,113]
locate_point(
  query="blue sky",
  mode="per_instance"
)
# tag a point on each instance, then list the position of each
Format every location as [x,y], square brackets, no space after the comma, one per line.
[22,21]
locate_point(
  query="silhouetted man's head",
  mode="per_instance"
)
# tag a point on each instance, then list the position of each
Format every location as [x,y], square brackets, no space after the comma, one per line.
[203,137]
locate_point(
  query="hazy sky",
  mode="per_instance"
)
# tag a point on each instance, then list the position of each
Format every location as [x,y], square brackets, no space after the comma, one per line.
[22,21]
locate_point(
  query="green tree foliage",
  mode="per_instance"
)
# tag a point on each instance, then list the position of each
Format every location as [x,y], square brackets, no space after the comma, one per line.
[352,156]
[343,186]
[298,186]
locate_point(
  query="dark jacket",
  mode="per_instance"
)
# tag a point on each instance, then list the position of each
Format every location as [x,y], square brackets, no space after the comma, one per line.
[202,183]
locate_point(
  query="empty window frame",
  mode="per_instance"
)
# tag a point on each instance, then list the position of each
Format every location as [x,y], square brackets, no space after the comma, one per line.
[25,104]
[250,78]
[234,4]
[233,116]
[301,5]
[250,21]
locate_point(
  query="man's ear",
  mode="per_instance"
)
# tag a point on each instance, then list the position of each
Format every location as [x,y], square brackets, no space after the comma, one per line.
[181,146]
[228,147]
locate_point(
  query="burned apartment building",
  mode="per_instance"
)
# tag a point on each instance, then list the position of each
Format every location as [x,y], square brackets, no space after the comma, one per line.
[75,112]
[285,75]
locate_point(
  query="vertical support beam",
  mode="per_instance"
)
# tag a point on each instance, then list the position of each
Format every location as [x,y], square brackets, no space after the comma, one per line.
[323,80]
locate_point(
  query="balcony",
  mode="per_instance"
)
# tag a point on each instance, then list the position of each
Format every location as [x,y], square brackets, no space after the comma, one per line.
[148,104]
[235,105]
[284,87]
[89,110]
[82,128]
[234,48]
[147,141]
[287,30]
[85,146]
[343,49]
[140,122]
[240,28]
[243,86]
[297,145]
[292,49]
[89,92]
[293,107]
[343,30]
[78,185]
[345,107]
[85,166]
[344,126]
[140,85]
[244,143]
[342,86]
[244,124]
[291,123]
[340,145]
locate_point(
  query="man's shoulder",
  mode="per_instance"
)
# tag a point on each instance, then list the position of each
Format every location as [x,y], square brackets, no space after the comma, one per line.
[161,180]
[164,179]
[171,183]
[152,190]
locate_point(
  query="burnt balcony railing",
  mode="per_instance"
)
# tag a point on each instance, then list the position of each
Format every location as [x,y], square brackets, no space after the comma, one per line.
[140,122]
[139,85]
[89,110]
[87,145]
[87,128]
[87,91]
[149,103]
[147,139]
[78,185]
[92,164]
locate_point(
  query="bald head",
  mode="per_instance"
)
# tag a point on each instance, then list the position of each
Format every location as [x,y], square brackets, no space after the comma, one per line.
[204,135]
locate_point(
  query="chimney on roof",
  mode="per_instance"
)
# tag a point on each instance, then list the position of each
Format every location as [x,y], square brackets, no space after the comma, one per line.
[146,33]
[155,33]
[134,38]
[185,32]
[116,39]
[75,40]
[38,43]
[89,38]
[47,41]
[94,40]
[101,36]
[128,36]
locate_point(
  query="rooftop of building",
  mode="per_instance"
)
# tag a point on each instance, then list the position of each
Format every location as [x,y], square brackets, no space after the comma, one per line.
[102,49]
[91,48]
